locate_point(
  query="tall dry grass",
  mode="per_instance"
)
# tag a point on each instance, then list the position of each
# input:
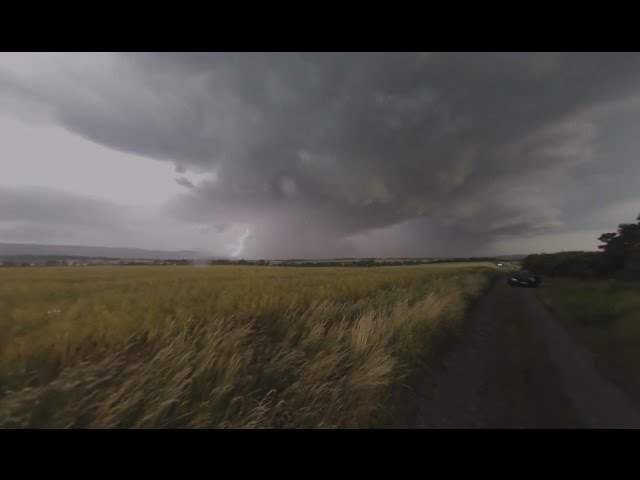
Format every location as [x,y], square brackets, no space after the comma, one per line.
[326,360]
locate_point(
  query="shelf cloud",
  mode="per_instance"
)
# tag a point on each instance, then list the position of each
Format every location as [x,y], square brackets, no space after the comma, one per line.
[344,154]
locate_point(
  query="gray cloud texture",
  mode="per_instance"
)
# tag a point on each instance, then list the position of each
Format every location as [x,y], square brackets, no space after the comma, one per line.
[330,154]
[47,215]
[185,182]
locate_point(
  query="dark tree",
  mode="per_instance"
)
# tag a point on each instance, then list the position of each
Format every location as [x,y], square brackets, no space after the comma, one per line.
[621,250]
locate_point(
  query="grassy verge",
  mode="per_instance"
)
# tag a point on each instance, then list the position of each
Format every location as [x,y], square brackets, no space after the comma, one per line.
[522,388]
[605,316]
[222,347]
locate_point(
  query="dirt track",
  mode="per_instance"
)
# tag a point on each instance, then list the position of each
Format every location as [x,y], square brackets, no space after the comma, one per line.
[454,403]
[598,402]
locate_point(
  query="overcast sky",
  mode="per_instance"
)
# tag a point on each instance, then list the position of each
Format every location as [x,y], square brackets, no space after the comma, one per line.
[321,154]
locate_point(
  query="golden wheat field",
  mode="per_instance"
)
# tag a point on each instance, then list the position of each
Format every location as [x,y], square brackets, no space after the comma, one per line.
[221,346]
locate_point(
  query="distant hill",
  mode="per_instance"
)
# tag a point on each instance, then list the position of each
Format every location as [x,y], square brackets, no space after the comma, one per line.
[19,249]
[80,251]
[509,257]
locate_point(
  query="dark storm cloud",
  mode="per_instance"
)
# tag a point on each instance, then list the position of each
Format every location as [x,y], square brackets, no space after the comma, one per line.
[314,150]
[185,182]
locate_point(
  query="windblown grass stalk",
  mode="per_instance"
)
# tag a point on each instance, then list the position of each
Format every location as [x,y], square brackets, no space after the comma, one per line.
[224,347]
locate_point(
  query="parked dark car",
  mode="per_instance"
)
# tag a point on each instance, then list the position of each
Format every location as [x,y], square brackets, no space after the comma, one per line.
[522,278]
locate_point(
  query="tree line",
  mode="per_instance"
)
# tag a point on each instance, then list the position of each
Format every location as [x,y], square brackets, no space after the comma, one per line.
[619,257]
